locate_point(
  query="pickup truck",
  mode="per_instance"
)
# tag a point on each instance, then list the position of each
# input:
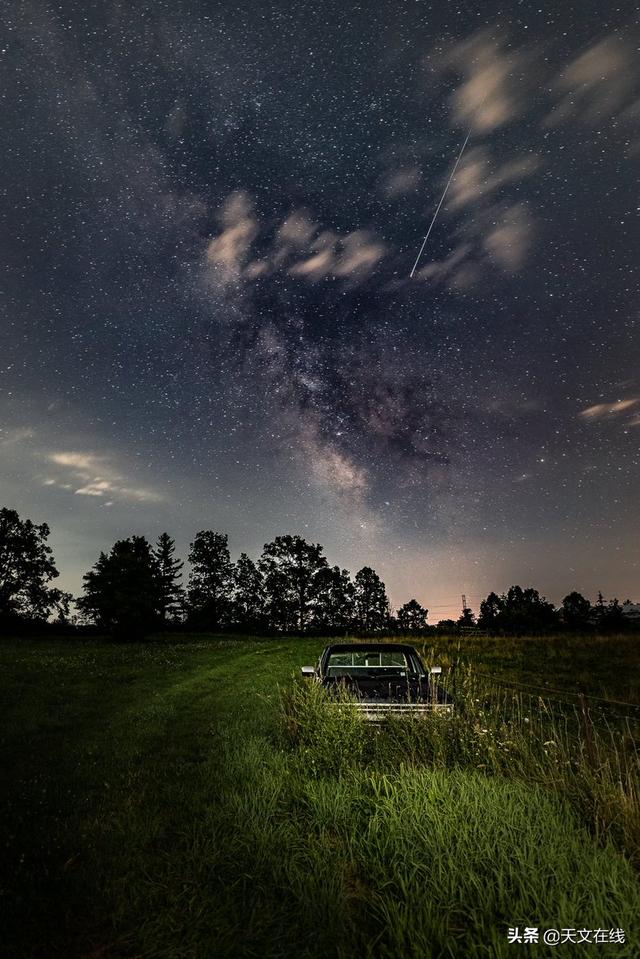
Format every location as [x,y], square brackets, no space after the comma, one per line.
[384,678]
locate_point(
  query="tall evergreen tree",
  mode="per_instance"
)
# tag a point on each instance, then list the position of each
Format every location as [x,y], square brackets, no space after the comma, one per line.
[466,618]
[210,580]
[170,575]
[371,602]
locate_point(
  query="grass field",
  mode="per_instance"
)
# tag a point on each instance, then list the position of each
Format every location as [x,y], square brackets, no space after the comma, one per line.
[156,803]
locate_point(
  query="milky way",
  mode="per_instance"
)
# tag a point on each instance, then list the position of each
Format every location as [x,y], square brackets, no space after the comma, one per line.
[210,214]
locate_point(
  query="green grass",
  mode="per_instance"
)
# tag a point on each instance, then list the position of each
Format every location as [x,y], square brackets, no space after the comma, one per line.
[158,803]
[597,665]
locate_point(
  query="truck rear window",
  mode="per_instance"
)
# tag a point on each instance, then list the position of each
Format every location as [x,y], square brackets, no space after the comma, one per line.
[367,663]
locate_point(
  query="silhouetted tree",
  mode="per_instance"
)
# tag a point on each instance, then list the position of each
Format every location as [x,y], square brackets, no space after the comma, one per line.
[466,620]
[527,611]
[334,598]
[613,620]
[63,609]
[393,625]
[26,569]
[412,616]
[490,610]
[280,602]
[249,594]
[170,573]
[371,602]
[576,611]
[210,580]
[608,617]
[518,611]
[123,589]
[290,567]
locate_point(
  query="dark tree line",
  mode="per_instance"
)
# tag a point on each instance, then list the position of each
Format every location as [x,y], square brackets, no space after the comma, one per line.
[525,611]
[291,588]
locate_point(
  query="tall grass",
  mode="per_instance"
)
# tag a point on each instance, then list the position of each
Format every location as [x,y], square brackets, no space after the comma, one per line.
[412,862]
[496,732]
[165,803]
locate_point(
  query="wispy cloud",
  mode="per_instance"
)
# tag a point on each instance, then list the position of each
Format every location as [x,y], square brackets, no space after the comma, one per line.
[475,179]
[403,181]
[15,437]
[598,83]
[295,231]
[298,246]
[457,270]
[89,474]
[500,235]
[488,96]
[492,227]
[78,472]
[322,260]
[229,250]
[352,256]
[615,410]
[508,241]
[76,461]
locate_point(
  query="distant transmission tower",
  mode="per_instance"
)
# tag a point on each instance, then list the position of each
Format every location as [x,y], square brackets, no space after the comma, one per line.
[464,602]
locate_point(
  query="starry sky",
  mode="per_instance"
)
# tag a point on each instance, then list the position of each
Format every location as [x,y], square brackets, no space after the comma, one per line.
[210,212]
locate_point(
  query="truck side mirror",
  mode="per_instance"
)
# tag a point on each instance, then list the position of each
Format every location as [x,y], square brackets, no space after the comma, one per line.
[435,670]
[308,671]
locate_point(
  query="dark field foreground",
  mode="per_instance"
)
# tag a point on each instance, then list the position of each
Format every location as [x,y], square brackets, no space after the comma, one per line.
[165,800]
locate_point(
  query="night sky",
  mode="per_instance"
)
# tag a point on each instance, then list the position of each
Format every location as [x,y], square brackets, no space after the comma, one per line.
[210,212]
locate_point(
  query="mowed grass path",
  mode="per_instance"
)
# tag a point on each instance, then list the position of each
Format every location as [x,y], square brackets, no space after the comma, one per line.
[151,807]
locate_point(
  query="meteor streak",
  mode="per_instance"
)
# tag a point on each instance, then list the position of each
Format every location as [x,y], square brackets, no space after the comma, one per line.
[444,193]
